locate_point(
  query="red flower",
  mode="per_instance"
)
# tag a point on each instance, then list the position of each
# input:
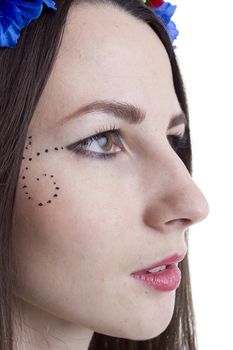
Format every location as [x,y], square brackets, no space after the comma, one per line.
[155,3]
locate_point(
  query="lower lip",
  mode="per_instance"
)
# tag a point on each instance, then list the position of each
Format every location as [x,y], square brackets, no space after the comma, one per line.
[164,281]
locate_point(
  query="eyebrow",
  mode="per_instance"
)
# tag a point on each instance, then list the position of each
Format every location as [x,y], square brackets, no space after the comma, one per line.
[123,110]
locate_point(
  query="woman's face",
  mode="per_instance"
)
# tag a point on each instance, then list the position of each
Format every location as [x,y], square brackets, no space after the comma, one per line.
[109,217]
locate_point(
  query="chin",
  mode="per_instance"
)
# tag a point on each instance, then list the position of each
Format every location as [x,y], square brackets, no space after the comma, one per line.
[142,329]
[150,332]
[151,323]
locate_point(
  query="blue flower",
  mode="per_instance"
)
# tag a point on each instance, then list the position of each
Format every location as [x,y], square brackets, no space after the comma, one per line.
[16,15]
[165,12]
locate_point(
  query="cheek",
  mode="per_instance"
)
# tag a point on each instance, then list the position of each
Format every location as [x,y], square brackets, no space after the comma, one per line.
[36,187]
[88,224]
[76,229]
[64,249]
[75,255]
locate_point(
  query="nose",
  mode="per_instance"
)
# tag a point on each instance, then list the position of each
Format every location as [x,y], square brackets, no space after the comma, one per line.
[175,201]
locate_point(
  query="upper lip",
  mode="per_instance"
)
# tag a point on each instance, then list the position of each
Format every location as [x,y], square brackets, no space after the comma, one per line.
[171,259]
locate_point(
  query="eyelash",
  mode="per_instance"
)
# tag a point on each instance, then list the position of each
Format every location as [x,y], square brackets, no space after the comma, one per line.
[179,142]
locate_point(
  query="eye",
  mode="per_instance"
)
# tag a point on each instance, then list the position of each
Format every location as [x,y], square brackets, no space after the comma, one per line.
[108,142]
[178,142]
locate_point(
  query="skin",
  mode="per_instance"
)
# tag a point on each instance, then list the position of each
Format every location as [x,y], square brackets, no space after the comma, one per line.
[113,217]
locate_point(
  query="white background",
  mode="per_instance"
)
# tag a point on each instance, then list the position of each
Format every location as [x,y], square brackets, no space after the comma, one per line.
[205,55]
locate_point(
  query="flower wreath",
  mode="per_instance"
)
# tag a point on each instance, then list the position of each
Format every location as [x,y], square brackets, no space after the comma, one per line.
[17,14]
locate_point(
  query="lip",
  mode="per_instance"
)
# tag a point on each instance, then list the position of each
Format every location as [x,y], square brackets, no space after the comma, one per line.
[163,281]
[171,259]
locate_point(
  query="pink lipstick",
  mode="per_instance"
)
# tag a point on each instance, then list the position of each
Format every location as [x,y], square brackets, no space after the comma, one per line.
[165,275]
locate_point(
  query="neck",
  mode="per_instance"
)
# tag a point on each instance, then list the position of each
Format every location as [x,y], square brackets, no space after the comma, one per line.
[36,329]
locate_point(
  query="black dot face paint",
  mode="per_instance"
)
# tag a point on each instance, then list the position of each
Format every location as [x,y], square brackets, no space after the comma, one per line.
[39,178]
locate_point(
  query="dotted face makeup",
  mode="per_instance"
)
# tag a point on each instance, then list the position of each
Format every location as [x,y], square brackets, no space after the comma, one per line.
[56,188]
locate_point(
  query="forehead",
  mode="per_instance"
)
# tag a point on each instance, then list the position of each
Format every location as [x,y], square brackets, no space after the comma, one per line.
[107,53]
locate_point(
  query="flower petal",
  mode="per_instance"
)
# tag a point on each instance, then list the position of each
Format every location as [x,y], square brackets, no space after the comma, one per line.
[29,10]
[165,12]
[50,4]
[11,23]
[172,30]
[17,14]
[10,37]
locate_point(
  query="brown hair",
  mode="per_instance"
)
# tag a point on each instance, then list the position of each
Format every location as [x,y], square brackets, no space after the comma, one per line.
[24,72]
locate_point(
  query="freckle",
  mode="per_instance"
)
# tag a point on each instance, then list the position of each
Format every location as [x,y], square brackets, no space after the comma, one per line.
[44,174]
[38,154]
[55,195]
[49,201]
[56,149]
[54,183]
[26,168]
[29,137]
[30,159]
[51,175]
[57,188]
[38,179]
[29,197]
[26,192]
[23,177]
[40,204]
[46,150]
[23,158]
[24,186]
[26,147]
[62,147]
[30,142]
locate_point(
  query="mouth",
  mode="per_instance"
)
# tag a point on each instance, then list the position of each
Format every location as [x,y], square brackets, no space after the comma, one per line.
[157,269]
[162,265]
[166,280]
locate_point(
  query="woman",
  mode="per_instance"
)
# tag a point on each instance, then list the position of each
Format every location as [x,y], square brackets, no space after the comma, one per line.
[95,183]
